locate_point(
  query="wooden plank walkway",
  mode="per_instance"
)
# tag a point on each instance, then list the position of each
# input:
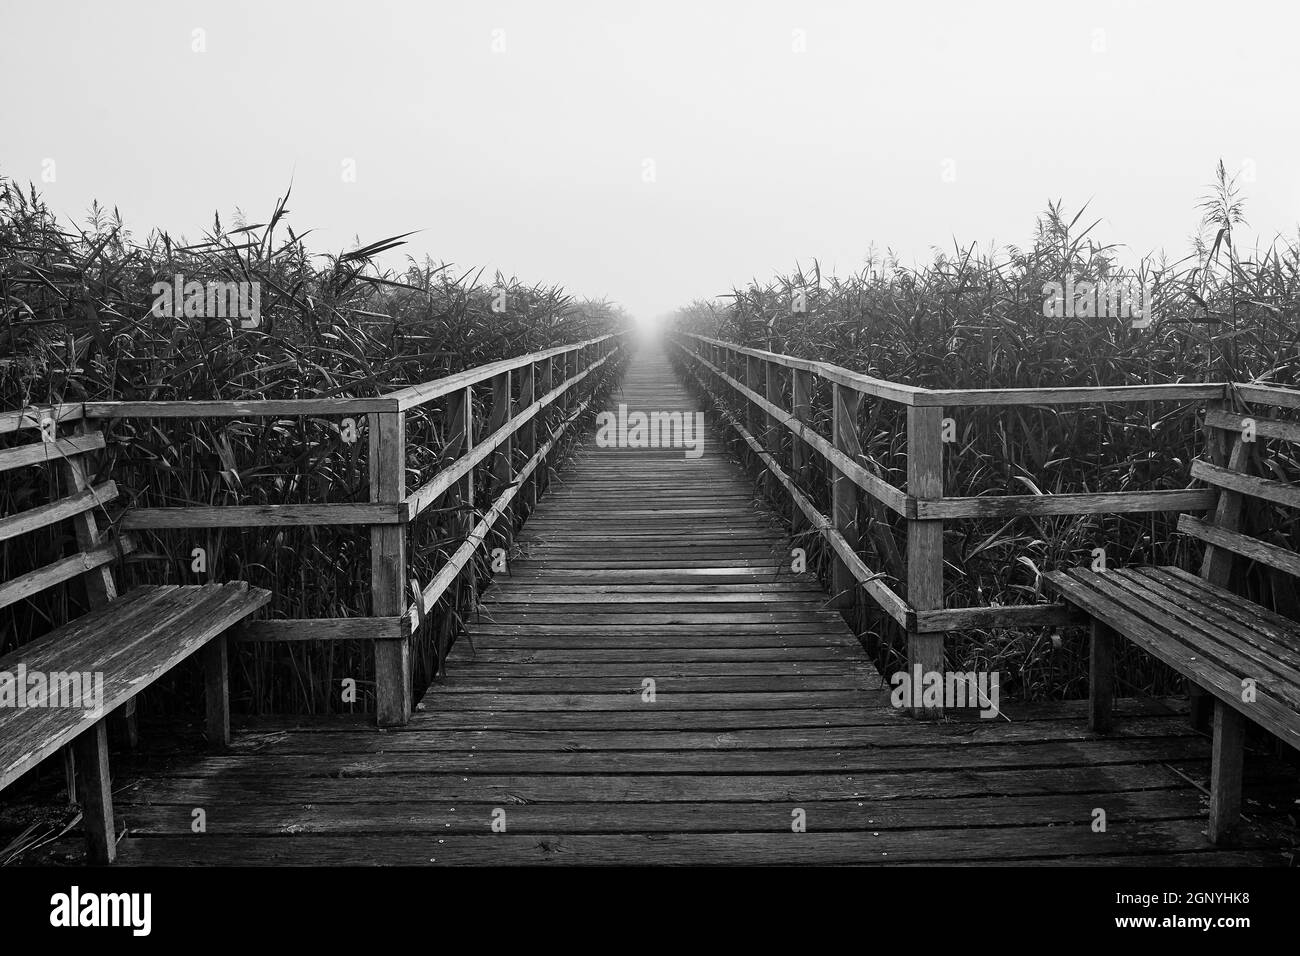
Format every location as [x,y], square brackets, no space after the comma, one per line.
[641,565]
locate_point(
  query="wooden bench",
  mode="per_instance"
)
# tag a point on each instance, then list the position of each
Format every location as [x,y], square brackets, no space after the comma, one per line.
[103,659]
[1245,657]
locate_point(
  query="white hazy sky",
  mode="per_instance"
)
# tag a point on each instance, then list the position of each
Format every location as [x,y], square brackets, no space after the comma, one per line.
[533,158]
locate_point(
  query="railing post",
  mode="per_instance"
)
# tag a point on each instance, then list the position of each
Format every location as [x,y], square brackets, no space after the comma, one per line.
[925,540]
[388,567]
[503,471]
[845,590]
[566,373]
[548,383]
[460,438]
[772,392]
[754,382]
[801,409]
[528,434]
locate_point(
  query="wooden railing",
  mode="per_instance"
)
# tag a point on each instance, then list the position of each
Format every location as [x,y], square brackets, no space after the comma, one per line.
[775,393]
[550,392]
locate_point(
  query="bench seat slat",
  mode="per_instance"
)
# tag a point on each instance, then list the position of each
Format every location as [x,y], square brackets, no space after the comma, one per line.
[1216,636]
[132,641]
[1255,625]
[1192,645]
[1208,663]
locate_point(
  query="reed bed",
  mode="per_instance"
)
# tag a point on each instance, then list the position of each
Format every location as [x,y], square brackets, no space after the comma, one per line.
[77,325]
[975,319]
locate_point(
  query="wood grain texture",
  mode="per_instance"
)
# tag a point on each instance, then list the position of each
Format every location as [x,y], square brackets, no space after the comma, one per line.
[131,643]
[766,711]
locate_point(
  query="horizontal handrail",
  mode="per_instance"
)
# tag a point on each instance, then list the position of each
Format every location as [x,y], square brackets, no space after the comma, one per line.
[239,408]
[866,384]
[1074,395]
[399,400]
[415,395]
[253,516]
[919,396]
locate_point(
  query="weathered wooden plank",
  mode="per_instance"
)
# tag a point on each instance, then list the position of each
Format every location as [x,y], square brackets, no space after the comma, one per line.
[1270,395]
[651,763]
[33,582]
[925,540]
[1083,395]
[1215,668]
[699,849]
[33,415]
[1033,506]
[240,408]
[1264,427]
[254,516]
[94,785]
[1269,489]
[1023,615]
[893,391]
[21,456]
[1241,544]
[542,819]
[505,790]
[131,643]
[882,732]
[1226,772]
[416,395]
[387,434]
[846,404]
[323,629]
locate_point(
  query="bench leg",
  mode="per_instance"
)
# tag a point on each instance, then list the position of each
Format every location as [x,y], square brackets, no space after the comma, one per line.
[96,794]
[216,692]
[1226,771]
[1101,677]
[70,772]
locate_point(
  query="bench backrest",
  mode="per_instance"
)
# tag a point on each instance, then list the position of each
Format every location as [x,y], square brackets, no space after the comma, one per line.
[59,437]
[1233,437]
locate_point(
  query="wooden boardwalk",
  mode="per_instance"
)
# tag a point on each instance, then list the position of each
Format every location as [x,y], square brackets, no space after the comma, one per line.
[640,566]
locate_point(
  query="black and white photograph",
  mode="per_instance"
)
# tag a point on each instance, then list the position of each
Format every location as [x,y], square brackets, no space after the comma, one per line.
[508,435]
